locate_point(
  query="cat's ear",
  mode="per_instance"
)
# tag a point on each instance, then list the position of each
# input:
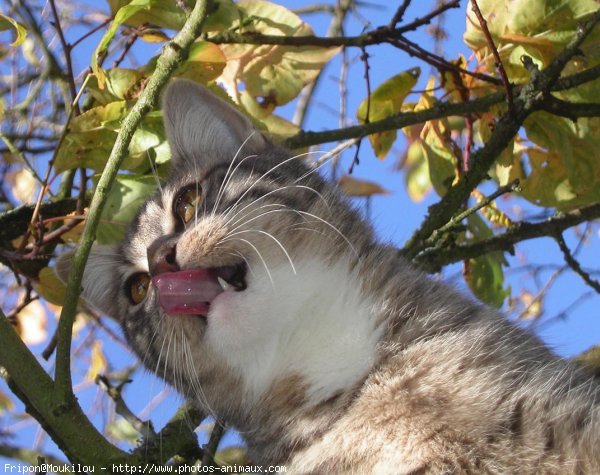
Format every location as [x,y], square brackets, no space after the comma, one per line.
[100,279]
[204,128]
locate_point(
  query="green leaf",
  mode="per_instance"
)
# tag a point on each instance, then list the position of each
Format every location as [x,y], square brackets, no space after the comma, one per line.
[50,287]
[93,133]
[277,127]
[232,456]
[169,14]
[385,101]
[125,198]
[121,429]
[486,280]
[90,138]
[537,28]
[274,72]
[204,63]
[122,15]
[486,277]
[120,84]
[7,23]
[564,168]
[416,177]
[442,154]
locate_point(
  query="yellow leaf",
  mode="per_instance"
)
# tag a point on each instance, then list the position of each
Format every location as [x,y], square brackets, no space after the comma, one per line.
[532,306]
[275,71]
[6,403]
[32,323]
[50,287]
[357,187]
[7,23]
[24,185]
[153,35]
[98,363]
[493,214]
[383,102]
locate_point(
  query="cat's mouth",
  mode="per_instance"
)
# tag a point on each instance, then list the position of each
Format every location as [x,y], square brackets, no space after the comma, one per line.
[192,291]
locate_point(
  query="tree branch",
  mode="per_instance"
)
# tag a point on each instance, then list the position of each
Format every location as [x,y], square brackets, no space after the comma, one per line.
[373,37]
[396,121]
[31,457]
[571,110]
[176,438]
[68,426]
[494,50]
[573,264]
[173,54]
[14,223]
[530,98]
[432,259]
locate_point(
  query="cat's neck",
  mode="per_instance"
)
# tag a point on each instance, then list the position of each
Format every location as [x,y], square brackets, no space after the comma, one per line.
[317,328]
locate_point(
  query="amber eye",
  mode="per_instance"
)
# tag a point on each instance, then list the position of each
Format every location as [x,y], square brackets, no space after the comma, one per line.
[186,204]
[137,287]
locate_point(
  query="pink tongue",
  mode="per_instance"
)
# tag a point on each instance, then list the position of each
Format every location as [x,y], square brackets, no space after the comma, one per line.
[188,291]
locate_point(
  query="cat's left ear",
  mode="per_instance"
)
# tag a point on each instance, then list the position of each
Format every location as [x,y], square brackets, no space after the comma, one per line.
[204,128]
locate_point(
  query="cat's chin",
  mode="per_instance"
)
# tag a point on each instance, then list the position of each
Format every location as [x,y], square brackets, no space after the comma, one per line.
[192,291]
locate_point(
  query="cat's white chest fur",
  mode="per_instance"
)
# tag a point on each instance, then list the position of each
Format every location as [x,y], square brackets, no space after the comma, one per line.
[314,323]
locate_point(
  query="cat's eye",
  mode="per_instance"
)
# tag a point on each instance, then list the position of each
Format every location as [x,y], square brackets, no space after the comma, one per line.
[137,287]
[185,206]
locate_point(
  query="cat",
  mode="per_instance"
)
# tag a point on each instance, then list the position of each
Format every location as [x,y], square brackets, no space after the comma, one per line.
[252,286]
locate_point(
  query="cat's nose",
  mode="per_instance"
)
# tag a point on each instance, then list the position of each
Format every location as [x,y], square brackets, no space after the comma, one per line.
[162,257]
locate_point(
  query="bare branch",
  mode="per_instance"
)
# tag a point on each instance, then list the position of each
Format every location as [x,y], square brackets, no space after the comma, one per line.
[574,264]
[432,259]
[494,50]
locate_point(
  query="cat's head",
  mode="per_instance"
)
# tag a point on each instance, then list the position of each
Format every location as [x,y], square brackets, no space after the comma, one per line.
[219,280]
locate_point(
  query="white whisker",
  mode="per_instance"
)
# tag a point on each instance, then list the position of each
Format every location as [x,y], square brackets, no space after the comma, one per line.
[225,178]
[274,239]
[260,257]
[332,227]
[308,188]
[154,172]
[280,164]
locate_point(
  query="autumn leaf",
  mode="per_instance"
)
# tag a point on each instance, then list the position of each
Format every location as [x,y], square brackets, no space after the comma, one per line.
[356,187]
[32,322]
[385,101]
[98,363]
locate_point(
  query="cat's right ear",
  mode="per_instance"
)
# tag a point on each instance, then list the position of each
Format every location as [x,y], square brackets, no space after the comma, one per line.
[100,280]
[204,129]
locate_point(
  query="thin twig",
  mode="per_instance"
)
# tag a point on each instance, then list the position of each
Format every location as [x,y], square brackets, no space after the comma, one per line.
[90,33]
[419,22]
[441,64]
[133,36]
[456,220]
[145,428]
[397,18]
[336,27]
[64,134]
[67,51]
[432,259]
[210,449]
[336,151]
[574,264]
[492,46]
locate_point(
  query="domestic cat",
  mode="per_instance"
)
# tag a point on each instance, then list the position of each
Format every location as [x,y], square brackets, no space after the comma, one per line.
[252,286]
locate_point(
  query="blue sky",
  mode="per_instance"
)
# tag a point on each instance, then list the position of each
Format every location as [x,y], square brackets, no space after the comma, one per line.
[394,216]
